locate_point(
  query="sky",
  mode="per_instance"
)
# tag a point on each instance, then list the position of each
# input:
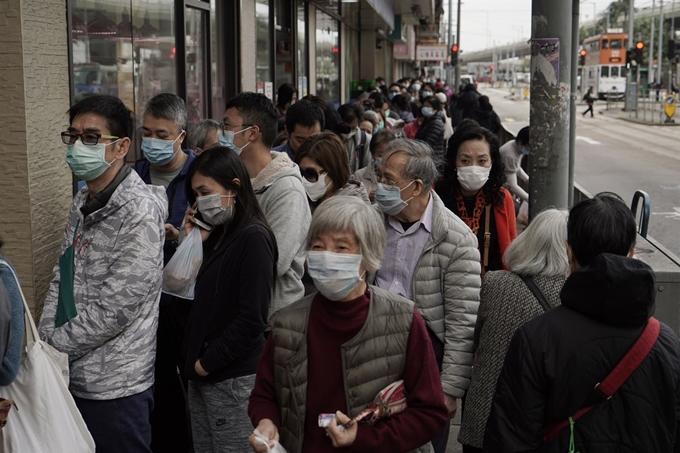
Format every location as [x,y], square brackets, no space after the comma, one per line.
[485,22]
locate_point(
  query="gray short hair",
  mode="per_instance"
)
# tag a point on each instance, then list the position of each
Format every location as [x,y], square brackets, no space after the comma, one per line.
[170,107]
[373,117]
[422,163]
[542,248]
[198,133]
[352,214]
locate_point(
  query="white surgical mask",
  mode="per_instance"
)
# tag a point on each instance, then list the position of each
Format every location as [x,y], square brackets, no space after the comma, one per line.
[226,138]
[427,111]
[389,198]
[473,178]
[210,207]
[335,275]
[316,190]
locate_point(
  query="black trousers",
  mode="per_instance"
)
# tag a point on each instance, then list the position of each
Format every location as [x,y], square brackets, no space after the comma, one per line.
[590,109]
[170,428]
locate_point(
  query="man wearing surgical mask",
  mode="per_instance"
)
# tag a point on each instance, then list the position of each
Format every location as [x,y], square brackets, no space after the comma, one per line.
[166,164]
[357,142]
[472,187]
[110,271]
[432,259]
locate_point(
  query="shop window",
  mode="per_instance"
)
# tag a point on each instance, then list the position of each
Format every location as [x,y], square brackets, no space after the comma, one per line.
[284,42]
[302,72]
[263,57]
[605,44]
[327,57]
[196,55]
[123,48]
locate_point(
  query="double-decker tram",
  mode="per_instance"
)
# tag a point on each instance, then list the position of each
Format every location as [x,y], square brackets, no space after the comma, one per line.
[605,64]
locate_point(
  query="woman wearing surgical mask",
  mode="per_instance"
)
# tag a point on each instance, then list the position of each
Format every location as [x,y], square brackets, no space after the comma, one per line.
[431,129]
[331,352]
[472,187]
[225,332]
[324,167]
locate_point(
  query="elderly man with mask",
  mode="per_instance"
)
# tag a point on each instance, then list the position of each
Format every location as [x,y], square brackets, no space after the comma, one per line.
[432,259]
[165,164]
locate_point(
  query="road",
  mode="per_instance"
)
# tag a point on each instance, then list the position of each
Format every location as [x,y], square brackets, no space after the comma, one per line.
[618,156]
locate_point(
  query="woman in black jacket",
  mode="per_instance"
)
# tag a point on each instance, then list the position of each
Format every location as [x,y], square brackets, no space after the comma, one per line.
[233,289]
[485,115]
[431,130]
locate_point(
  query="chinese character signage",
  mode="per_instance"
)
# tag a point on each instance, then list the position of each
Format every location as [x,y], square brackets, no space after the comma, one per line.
[431,53]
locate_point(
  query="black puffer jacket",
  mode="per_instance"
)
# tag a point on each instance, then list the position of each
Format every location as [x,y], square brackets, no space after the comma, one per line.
[432,132]
[555,360]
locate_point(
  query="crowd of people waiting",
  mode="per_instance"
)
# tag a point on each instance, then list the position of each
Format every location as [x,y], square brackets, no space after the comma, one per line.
[374,247]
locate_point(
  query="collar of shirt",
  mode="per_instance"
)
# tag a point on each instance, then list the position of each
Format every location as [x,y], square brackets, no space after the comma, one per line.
[425,221]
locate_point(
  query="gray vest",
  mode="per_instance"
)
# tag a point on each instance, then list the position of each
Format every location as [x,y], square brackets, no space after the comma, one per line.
[371,360]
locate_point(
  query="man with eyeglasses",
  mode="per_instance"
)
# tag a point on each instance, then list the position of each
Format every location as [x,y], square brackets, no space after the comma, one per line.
[166,164]
[432,259]
[250,127]
[102,305]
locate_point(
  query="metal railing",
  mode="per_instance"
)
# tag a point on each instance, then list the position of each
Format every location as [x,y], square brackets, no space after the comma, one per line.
[649,109]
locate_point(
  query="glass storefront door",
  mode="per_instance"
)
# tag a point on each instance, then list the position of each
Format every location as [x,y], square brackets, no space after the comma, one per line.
[327,57]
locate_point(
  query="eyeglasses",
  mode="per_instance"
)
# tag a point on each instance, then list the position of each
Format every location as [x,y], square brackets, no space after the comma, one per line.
[226,127]
[88,138]
[310,174]
[384,180]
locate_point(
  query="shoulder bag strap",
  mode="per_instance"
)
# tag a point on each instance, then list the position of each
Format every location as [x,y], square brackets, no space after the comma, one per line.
[487,238]
[620,374]
[538,294]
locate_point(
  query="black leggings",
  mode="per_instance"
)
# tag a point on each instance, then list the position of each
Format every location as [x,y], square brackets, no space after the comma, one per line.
[590,109]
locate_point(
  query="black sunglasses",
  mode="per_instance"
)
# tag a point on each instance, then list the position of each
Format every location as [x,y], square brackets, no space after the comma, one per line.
[310,174]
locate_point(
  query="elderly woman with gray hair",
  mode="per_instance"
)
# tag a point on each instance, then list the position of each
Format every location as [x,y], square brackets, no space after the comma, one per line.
[537,263]
[334,351]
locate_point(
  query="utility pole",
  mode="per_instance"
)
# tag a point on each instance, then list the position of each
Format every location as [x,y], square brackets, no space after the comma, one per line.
[575,12]
[660,51]
[449,79]
[650,68]
[631,86]
[456,82]
[551,33]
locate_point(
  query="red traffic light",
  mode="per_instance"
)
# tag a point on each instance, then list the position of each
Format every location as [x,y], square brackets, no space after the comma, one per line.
[583,52]
[454,48]
[639,45]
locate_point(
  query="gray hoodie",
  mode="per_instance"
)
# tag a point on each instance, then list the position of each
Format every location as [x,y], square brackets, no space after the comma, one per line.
[118,267]
[279,190]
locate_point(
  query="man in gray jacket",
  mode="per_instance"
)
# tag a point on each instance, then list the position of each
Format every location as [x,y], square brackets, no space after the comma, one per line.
[102,305]
[432,259]
[250,124]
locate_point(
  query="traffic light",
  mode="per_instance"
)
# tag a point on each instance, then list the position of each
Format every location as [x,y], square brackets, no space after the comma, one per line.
[454,54]
[630,57]
[639,47]
[582,57]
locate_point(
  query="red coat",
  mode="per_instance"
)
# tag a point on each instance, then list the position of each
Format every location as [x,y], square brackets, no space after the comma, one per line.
[506,222]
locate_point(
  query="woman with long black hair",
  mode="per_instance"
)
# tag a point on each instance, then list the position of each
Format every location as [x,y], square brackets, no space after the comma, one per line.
[472,187]
[225,335]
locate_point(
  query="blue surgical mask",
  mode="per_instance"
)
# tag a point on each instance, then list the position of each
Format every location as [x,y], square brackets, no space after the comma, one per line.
[524,150]
[387,113]
[88,162]
[389,198]
[226,138]
[427,94]
[427,112]
[379,127]
[335,275]
[157,151]
[392,95]
[416,86]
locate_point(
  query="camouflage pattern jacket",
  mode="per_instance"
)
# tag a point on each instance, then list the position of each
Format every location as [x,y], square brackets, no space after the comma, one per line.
[118,266]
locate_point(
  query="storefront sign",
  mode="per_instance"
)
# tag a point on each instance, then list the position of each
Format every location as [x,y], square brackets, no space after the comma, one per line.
[400,51]
[431,53]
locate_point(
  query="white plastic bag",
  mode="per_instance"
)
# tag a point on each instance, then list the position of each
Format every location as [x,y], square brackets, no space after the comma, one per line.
[261,438]
[179,275]
[46,418]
